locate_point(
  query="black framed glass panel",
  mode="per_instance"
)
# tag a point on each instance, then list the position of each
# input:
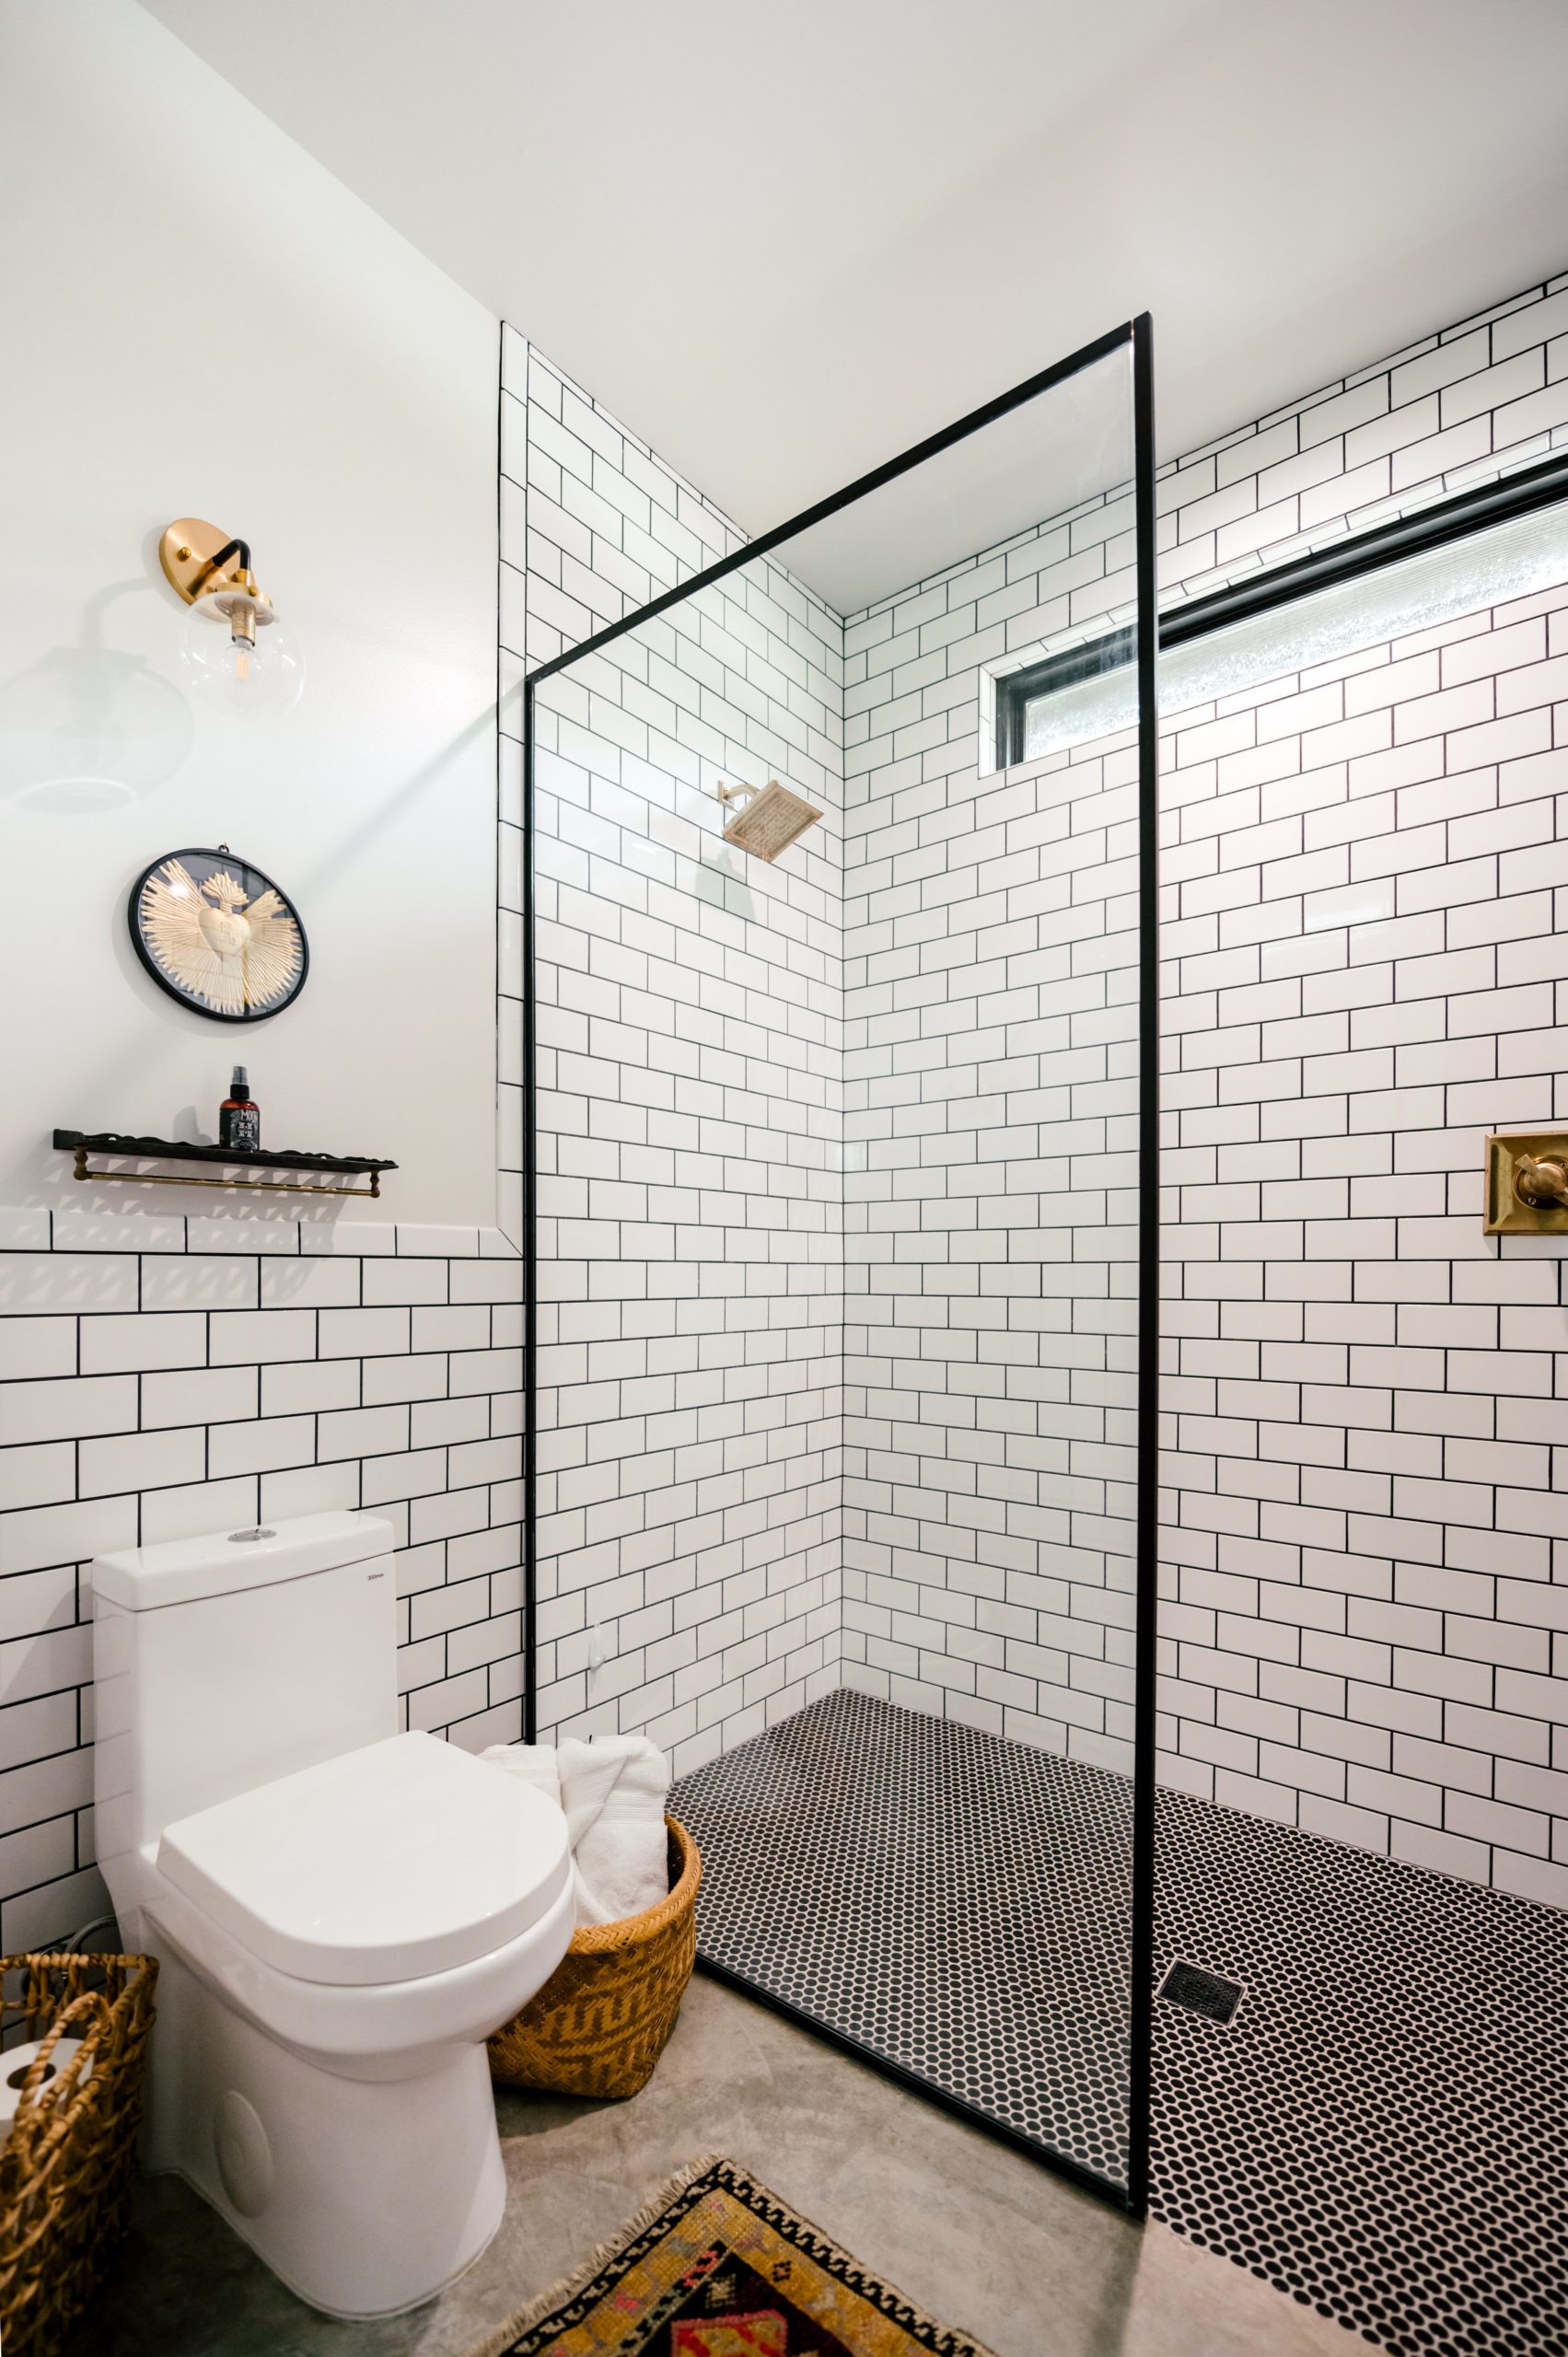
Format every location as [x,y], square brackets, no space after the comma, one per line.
[843,1197]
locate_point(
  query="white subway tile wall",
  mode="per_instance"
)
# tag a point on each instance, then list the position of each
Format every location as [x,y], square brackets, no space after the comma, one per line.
[1365,878]
[1481,399]
[162,1375]
[991,1083]
[1363,1396]
[1363,1530]
[689,1102]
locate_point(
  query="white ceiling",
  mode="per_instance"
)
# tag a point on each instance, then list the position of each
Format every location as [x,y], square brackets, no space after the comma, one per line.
[1069,443]
[783,239]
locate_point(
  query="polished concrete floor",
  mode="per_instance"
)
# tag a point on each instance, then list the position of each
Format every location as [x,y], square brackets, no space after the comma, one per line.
[974,2232]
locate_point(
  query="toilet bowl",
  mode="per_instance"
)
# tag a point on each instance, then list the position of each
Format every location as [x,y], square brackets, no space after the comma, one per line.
[340,1924]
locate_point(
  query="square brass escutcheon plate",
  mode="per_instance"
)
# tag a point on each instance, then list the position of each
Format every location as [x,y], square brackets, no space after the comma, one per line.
[1506,1213]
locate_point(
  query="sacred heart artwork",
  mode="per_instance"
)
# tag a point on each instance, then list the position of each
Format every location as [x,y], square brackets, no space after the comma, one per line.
[219,935]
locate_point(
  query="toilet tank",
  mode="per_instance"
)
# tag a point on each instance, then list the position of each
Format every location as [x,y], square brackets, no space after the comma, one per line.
[221,1663]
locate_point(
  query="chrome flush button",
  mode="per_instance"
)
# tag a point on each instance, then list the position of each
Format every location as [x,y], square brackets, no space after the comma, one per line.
[238,1538]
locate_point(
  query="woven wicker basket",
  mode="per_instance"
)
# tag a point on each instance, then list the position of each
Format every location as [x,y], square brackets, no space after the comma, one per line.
[69,2163]
[599,2023]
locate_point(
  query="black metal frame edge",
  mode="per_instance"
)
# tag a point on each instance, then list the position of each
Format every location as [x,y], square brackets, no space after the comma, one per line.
[987,414]
[530,1251]
[1444,521]
[530,1142]
[929,2090]
[1141,2025]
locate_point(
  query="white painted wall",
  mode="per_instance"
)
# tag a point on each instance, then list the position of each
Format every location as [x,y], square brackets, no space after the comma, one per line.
[175,1361]
[201,320]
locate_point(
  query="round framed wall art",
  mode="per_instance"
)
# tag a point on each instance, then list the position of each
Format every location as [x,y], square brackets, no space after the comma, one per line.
[219,935]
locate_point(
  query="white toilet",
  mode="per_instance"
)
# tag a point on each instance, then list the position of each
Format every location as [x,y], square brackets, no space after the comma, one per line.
[341,1914]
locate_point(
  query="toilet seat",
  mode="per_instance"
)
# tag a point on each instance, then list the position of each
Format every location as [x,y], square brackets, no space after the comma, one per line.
[399,1860]
[395,2029]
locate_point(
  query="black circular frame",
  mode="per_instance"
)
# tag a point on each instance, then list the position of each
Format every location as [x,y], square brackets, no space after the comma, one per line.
[249,874]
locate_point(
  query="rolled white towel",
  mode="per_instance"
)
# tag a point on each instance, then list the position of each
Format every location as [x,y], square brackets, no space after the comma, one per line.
[531,1763]
[614,1790]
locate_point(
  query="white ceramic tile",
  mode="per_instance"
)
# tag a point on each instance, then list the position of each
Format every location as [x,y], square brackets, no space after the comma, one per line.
[37,1346]
[101,1230]
[66,1410]
[25,1230]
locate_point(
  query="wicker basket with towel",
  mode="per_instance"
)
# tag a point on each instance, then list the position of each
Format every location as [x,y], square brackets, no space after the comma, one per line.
[600,2022]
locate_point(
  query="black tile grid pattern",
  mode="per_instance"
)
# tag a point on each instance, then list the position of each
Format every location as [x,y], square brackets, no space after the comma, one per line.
[1379,2132]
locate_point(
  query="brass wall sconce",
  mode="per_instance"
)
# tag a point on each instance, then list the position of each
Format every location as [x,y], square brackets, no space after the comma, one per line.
[1526,1184]
[768,820]
[254,663]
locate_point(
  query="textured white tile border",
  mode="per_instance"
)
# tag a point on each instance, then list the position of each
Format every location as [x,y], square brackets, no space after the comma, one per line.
[108,1229]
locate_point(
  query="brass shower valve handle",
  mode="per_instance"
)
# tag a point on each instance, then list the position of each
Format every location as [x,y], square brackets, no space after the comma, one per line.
[1541,1184]
[1525,1185]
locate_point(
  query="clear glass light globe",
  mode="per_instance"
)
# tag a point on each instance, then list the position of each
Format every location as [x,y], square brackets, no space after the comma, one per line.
[237,652]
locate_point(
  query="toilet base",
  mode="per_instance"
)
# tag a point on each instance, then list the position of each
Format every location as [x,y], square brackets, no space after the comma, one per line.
[366,2198]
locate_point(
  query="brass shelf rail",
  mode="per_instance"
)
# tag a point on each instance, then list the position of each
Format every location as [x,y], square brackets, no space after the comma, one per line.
[110,1144]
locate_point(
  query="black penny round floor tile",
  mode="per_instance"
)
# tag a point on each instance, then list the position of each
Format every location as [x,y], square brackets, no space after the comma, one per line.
[1378,2128]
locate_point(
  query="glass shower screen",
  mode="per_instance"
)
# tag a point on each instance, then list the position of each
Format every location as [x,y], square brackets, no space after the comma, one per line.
[841,1323]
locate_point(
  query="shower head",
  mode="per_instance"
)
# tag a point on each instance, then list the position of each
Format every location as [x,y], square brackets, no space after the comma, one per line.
[768,820]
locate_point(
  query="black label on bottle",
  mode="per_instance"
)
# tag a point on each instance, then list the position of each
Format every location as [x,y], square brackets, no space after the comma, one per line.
[240,1125]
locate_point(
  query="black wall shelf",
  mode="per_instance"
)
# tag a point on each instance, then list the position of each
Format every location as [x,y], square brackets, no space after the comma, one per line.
[112,1144]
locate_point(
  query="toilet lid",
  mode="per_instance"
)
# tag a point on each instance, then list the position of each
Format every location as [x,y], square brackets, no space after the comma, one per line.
[404,1858]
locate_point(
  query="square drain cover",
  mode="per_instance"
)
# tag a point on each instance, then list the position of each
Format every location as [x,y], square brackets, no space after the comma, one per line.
[1202,1992]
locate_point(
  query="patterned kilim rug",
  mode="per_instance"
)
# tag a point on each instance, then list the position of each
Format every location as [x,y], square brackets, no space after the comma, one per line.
[717,2266]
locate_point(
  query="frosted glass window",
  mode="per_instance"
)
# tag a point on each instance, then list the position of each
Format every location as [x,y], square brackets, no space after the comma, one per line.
[1484,569]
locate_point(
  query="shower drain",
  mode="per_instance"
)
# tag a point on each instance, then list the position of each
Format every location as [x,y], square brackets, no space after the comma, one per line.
[1198,1991]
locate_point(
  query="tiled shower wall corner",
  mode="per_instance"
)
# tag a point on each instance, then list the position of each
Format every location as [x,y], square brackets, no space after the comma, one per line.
[165,1374]
[690,1076]
[1360,1561]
